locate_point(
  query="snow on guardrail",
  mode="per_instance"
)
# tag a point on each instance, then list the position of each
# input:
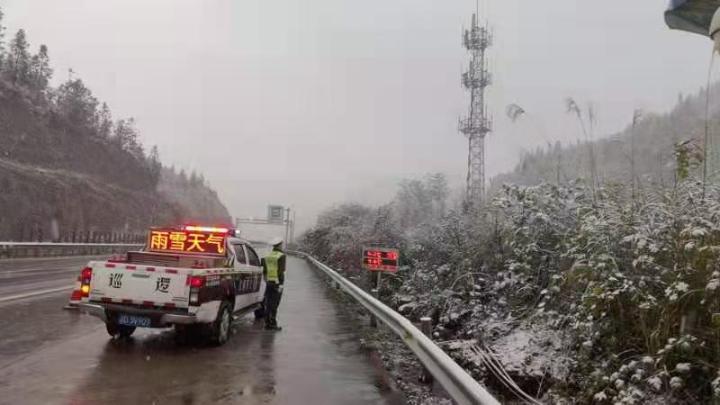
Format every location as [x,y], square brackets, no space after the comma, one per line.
[453,378]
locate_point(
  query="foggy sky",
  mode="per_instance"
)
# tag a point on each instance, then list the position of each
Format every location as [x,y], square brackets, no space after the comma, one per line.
[309,103]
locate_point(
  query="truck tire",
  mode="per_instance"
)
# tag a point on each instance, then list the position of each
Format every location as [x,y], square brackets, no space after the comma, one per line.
[220,329]
[123,331]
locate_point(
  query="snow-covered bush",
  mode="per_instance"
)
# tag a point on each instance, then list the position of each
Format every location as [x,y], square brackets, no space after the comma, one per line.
[632,284]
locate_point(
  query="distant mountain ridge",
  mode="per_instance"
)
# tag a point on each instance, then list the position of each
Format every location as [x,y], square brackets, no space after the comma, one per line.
[656,136]
[67,166]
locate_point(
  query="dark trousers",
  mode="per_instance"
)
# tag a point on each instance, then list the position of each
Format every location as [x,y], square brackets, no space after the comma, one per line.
[272,301]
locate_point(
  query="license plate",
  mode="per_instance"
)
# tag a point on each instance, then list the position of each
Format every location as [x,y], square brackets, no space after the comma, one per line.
[133,320]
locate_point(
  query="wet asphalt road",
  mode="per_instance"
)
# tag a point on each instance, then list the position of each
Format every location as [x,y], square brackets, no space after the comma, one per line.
[21,276]
[51,356]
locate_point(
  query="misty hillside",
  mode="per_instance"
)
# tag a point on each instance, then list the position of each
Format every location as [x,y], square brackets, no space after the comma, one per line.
[67,166]
[202,203]
[656,137]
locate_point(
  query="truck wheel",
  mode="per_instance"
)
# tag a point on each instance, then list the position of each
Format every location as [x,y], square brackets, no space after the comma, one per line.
[220,329]
[123,331]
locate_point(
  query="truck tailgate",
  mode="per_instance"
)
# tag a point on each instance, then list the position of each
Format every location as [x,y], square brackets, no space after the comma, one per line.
[138,284]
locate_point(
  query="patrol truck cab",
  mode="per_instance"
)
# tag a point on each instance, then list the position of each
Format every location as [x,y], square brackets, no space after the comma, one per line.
[194,278]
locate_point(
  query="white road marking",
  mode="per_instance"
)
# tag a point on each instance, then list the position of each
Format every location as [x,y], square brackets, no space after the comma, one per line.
[34,293]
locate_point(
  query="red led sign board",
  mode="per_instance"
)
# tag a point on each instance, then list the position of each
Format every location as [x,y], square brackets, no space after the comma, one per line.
[381,259]
[186,241]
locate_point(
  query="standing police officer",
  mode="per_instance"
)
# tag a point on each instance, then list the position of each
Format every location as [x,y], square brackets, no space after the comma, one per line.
[274,273]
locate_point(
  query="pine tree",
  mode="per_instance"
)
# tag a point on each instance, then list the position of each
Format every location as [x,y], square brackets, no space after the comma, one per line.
[155,165]
[126,136]
[105,123]
[40,70]
[19,58]
[2,43]
[77,104]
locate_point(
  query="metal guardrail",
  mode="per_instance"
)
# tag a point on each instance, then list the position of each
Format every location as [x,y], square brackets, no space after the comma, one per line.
[49,249]
[453,378]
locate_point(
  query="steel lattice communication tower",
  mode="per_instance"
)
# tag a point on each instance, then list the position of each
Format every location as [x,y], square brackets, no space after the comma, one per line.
[477,124]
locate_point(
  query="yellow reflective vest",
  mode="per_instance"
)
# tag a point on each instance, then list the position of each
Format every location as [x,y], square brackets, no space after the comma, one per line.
[272,266]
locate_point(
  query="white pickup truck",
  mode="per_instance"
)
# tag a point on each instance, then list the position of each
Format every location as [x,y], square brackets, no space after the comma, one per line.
[193,278]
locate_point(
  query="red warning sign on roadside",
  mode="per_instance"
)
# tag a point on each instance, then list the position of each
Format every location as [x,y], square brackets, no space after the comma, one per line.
[380,259]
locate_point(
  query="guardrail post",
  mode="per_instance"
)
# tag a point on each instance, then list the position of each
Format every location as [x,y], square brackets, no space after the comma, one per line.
[376,294]
[426,328]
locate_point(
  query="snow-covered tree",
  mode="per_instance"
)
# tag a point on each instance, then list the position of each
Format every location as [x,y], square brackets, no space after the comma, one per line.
[40,70]
[18,59]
